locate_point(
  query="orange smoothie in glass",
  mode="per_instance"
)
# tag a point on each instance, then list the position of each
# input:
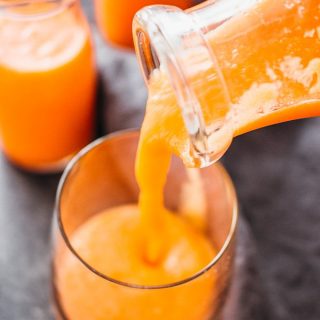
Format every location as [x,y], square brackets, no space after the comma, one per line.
[47,81]
[269,74]
[111,242]
[144,245]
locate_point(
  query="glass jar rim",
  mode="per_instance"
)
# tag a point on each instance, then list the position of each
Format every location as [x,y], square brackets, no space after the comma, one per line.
[57,216]
[9,10]
[171,41]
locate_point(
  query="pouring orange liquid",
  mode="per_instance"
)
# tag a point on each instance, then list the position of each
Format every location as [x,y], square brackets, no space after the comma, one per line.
[47,86]
[266,86]
[111,242]
[145,245]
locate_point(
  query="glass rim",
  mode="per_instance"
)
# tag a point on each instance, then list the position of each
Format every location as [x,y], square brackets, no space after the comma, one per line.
[57,217]
[61,5]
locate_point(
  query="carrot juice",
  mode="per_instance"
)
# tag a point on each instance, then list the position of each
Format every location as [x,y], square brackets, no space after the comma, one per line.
[111,242]
[268,58]
[261,67]
[114,18]
[271,72]
[144,245]
[47,84]
[101,269]
[271,75]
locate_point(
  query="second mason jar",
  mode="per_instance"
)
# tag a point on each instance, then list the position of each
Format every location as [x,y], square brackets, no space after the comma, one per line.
[47,81]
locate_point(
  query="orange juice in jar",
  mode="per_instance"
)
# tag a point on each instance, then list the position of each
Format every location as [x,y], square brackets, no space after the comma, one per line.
[47,82]
[114,18]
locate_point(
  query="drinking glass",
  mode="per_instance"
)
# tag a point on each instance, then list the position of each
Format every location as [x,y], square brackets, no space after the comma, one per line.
[47,82]
[102,176]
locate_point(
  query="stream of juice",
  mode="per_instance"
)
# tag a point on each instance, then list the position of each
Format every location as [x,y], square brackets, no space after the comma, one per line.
[268,81]
[267,85]
[47,87]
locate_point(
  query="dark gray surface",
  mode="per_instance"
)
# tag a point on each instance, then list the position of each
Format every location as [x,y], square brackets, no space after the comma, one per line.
[26,203]
[277,176]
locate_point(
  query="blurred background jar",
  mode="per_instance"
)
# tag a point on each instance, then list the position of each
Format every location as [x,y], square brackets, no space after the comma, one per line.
[47,82]
[114,18]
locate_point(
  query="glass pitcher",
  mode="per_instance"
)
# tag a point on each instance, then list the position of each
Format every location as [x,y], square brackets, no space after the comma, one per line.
[47,82]
[234,65]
